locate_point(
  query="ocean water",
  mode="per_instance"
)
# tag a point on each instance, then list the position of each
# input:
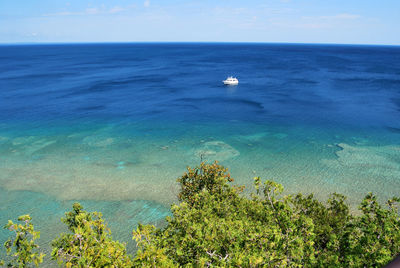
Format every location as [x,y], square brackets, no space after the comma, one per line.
[113,125]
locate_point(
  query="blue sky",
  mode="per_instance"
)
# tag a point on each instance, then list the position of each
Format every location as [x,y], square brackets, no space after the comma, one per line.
[293,21]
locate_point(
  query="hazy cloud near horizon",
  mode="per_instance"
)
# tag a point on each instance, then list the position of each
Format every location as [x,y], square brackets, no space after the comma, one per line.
[340,21]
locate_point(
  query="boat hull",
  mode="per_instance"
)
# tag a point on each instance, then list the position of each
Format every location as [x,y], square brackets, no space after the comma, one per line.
[228,83]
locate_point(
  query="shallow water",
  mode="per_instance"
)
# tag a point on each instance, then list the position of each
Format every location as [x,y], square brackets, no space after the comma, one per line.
[114,125]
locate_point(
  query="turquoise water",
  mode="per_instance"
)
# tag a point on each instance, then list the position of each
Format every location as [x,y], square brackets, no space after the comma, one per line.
[114,126]
[142,160]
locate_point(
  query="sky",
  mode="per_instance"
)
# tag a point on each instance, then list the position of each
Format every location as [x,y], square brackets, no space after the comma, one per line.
[281,21]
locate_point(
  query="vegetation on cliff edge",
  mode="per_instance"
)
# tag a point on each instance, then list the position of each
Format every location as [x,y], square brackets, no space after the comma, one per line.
[214,224]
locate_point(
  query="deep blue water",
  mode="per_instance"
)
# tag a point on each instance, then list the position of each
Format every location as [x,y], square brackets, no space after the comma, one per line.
[114,125]
[357,85]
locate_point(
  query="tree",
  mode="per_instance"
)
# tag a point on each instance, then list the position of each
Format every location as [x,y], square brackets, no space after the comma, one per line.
[90,242]
[148,253]
[22,249]
[216,225]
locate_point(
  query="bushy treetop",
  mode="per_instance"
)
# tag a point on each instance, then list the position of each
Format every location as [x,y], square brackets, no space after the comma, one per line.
[216,225]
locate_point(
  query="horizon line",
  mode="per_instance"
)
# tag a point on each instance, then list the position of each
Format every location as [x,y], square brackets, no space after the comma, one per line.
[190,42]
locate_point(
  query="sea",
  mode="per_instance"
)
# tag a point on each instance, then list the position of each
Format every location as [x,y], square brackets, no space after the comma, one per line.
[113,126]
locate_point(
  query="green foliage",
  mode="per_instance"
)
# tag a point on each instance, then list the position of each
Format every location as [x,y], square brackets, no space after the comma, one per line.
[148,254]
[22,247]
[90,243]
[376,234]
[214,225]
[211,178]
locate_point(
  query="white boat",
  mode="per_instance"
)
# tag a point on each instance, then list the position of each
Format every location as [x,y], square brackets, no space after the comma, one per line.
[231,81]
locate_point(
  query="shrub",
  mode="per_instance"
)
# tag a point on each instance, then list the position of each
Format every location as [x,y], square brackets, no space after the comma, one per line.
[216,225]
[22,249]
[89,244]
